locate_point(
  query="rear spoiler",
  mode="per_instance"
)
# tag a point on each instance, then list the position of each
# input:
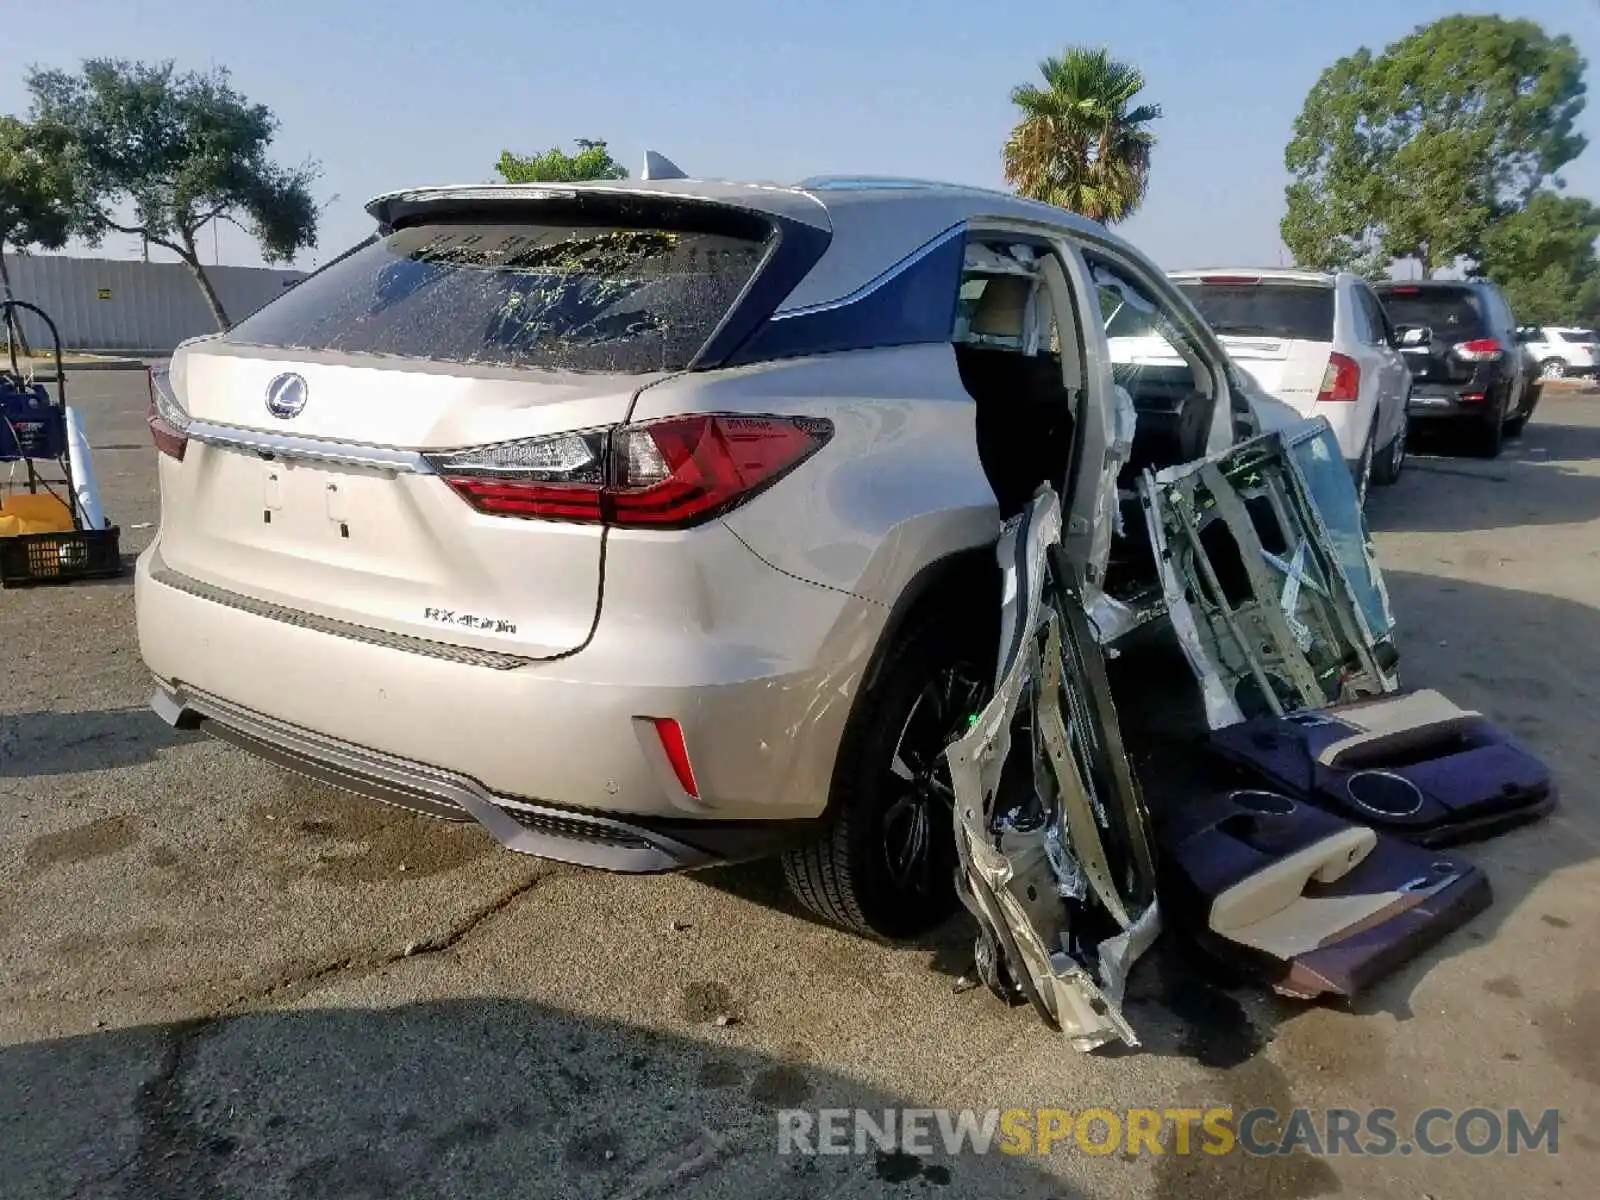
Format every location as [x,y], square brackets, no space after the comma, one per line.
[395,209]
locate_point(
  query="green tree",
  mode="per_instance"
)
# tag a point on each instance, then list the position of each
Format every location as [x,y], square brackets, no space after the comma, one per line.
[39,200]
[162,154]
[1543,258]
[592,161]
[1415,152]
[1079,144]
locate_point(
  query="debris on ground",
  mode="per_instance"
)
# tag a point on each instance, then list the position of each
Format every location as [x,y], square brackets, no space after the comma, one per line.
[1297,838]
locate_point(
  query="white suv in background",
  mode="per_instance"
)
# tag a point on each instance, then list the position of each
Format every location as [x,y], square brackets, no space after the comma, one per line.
[1322,345]
[1560,351]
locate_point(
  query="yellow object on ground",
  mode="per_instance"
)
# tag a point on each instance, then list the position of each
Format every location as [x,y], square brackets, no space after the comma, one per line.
[25,512]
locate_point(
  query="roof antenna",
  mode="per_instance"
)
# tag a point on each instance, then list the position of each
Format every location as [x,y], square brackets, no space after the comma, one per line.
[659,166]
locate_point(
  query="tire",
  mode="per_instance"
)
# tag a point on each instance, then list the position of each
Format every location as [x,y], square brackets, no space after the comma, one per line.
[1364,467]
[1391,460]
[860,872]
[1553,368]
[1517,424]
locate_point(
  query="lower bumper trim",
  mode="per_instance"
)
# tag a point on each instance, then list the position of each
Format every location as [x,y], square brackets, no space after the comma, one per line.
[527,827]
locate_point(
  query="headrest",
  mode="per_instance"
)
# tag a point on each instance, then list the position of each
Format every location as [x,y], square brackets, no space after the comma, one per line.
[1002,310]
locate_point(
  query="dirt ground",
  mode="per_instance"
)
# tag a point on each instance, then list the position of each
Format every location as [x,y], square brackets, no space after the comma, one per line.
[219,980]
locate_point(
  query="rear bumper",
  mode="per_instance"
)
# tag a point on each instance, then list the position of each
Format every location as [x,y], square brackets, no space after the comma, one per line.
[1444,403]
[761,694]
[1350,424]
[542,830]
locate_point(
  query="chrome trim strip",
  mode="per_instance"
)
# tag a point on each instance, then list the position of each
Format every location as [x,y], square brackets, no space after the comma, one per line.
[290,446]
[872,285]
[469,656]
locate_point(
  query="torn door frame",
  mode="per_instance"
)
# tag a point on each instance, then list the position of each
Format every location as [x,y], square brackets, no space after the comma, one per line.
[1081,854]
[1263,638]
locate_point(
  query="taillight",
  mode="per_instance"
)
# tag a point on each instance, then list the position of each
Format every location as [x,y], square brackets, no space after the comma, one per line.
[1479,350]
[668,474]
[1341,380]
[169,424]
[1227,280]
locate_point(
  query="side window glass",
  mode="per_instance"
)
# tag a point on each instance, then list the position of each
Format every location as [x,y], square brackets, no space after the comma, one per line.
[1385,328]
[1363,317]
[1502,311]
[1140,331]
[1382,335]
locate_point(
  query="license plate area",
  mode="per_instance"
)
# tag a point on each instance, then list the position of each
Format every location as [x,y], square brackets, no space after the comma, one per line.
[340,517]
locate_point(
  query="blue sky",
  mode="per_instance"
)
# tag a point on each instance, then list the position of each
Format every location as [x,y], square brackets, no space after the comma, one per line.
[410,92]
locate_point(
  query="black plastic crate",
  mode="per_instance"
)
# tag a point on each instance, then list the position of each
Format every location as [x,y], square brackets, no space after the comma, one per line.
[31,558]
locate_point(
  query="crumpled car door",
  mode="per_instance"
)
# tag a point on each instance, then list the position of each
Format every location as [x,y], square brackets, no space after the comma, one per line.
[1269,576]
[1051,831]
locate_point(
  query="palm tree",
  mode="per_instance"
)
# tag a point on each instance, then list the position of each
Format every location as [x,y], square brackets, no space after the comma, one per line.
[1079,146]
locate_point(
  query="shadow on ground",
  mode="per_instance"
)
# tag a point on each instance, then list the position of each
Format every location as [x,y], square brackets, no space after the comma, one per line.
[479,1098]
[65,743]
[1531,483]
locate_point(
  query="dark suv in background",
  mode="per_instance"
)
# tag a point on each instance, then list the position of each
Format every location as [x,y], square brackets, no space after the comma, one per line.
[1467,367]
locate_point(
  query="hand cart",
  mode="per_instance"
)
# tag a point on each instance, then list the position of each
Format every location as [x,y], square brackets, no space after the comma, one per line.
[37,429]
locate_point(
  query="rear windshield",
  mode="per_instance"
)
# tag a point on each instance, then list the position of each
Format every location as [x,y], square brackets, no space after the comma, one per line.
[560,297]
[1281,310]
[1448,312]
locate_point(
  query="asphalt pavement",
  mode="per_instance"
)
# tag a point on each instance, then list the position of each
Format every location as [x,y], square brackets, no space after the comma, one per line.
[217,979]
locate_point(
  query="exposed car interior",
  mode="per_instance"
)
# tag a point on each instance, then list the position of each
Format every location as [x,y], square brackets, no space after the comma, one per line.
[1008,353]
[1171,388]
[1167,379]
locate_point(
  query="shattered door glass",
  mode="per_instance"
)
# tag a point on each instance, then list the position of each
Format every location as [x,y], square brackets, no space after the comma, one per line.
[1052,834]
[1269,576]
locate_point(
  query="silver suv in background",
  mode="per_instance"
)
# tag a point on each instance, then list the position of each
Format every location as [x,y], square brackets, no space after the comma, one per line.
[1320,343]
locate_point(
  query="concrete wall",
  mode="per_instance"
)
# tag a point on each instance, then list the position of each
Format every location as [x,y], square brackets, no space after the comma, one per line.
[111,304]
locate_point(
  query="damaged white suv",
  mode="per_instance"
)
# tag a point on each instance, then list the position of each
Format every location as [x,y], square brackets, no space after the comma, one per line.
[652,524]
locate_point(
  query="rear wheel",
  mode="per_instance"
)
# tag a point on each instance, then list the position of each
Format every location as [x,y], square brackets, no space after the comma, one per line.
[1552,368]
[886,863]
[1386,467]
[1518,423]
[1364,467]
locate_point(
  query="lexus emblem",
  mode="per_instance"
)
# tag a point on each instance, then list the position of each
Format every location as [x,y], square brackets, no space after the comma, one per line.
[286,396]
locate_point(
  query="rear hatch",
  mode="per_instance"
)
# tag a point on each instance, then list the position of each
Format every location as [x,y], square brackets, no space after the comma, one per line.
[1280,331]
[320,428]
[1452,315]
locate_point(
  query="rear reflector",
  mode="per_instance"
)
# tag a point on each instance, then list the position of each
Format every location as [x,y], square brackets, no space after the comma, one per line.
[671,735]
[1479,350]
[1473,397]
[1341,380]
[668,474]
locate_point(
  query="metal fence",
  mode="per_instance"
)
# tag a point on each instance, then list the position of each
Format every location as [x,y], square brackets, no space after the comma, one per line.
[108,304]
